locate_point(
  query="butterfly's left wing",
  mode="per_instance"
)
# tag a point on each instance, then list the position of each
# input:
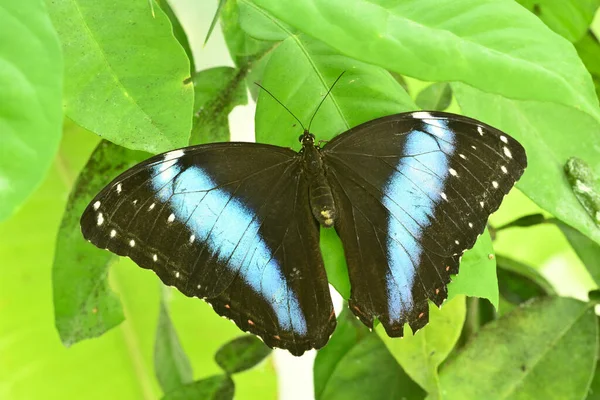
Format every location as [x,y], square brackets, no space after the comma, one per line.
[413,191]
[228,223]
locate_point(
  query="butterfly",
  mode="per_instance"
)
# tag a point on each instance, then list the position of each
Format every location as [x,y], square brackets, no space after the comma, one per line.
[237,224]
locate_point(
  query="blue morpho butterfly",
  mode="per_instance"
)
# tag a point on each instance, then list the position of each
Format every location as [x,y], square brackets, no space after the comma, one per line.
[237,224]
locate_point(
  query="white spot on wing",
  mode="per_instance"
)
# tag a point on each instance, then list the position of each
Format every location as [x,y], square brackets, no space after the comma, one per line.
[151,206]
[507,152]
[132,243]
[171,218]
[495,184]
[503,139]
[473,147]
[480,130]
[463,156]
[96,205]
[452,172]
[173,155]
[177,274]
[503,168]
[134,202]
[457,242]
[481,204]
[119,188]
[113,233]
[155,258]
[192,238]
[422,115]
[100,219]
[470,224]
[443,195]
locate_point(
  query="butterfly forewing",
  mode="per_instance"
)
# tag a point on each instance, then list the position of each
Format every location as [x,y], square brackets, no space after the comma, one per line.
[413,192]
[229,223]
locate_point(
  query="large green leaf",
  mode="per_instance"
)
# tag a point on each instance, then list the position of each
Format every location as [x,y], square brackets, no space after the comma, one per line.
[570,19]
[422,353]
[125,73]
[544,350]
[84,304]
[31,69]
[357,365]
[471,41]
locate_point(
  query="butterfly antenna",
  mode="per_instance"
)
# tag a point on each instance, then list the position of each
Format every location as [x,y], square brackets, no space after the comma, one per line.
[282,105]
[326,94]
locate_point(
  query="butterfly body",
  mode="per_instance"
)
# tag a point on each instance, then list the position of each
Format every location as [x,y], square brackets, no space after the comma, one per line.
[321,198]
[237,224]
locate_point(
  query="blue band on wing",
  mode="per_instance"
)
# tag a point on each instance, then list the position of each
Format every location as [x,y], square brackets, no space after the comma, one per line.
[411,194]
[231,232]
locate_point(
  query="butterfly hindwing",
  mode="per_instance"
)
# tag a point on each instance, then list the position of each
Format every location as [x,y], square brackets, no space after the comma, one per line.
[413,192]
[228,223]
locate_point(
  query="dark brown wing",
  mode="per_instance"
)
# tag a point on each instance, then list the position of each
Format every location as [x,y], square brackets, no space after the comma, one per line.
[228,223]
[413,192]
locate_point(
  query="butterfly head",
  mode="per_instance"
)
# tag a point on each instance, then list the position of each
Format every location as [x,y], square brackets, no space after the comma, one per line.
[307,138]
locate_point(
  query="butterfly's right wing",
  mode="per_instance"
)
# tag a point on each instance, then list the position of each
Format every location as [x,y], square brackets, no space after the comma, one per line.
[228,223]
[413,192]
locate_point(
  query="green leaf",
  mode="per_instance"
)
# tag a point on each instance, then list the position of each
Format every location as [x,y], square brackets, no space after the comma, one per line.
[241,354]
[477,273]
[544,350]
[125,79]
[348,332]
[589,51]
[219,387]
[448,40]
[422,353]
[569,19]
[178,32]
[436,96]
[218,90]
[171,364]
[355,364]
[214,20]
[519,282]
[303,63]
[30,110]
[541,127]
[84,304]
[587,250]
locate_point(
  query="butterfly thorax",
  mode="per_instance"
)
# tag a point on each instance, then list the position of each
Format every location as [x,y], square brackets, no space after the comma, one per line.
[321,198]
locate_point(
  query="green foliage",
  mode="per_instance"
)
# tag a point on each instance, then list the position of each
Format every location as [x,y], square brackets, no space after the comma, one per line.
[355,356]
[118,92]
[528,353]
[30,112]
[84,305]
[130,77]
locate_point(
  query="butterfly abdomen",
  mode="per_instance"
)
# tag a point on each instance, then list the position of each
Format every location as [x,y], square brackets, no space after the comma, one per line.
[321,198]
